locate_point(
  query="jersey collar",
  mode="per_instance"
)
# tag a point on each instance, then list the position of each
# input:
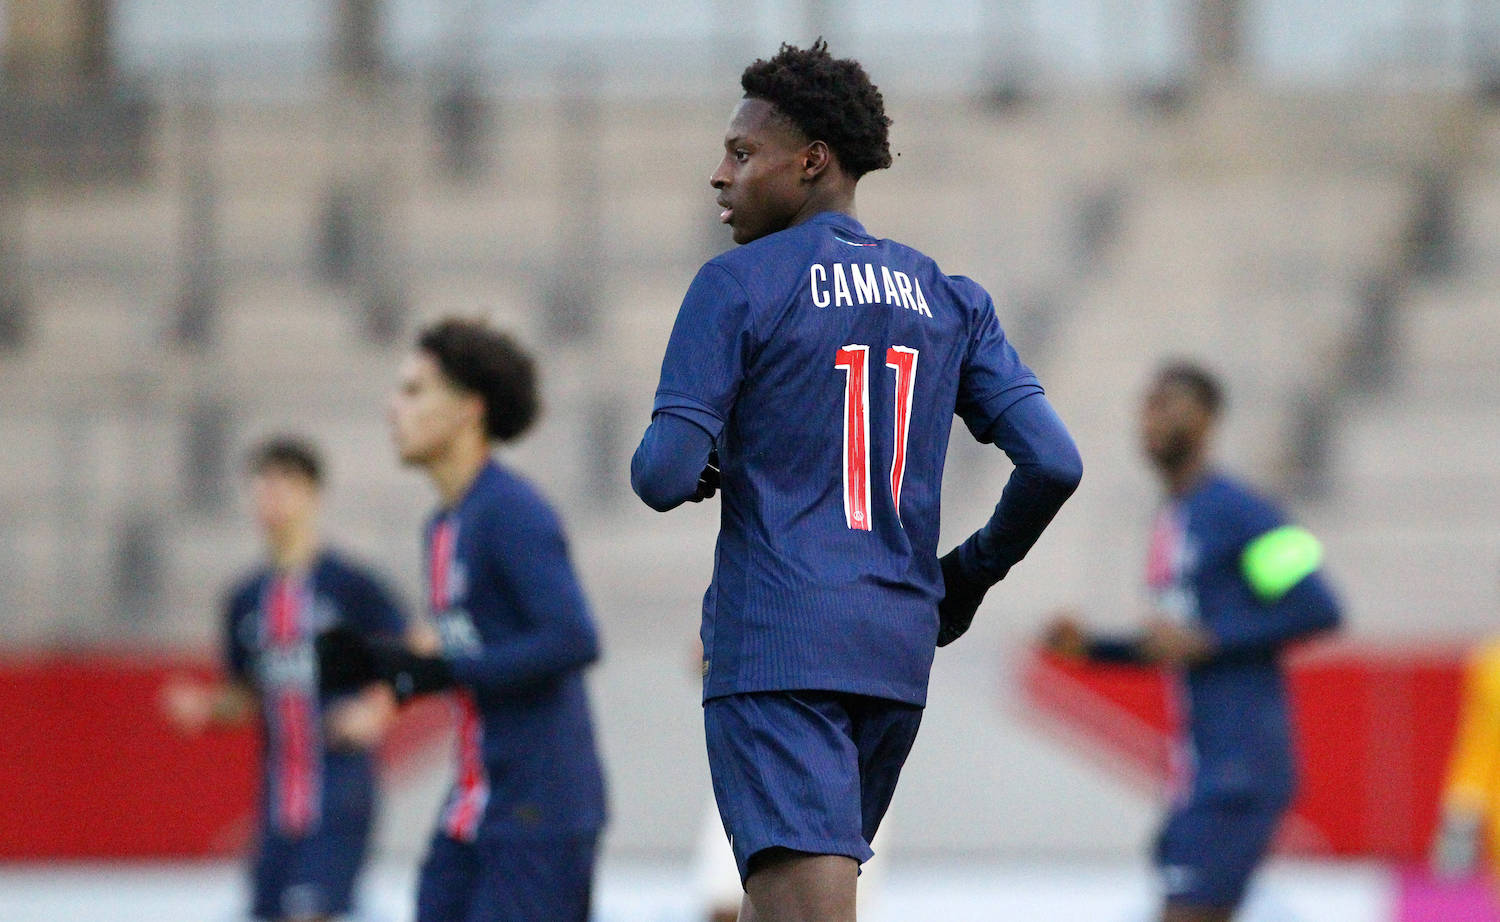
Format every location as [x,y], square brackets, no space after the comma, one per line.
[844,222]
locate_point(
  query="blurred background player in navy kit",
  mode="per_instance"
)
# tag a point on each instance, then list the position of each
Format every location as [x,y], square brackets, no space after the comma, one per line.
[1233,583]
[820,368]
[516,839]
[318,797]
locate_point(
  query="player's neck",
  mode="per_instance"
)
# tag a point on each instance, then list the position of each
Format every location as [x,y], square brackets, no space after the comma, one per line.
[832,197]
[455,470]
[294,548]
[1182,478]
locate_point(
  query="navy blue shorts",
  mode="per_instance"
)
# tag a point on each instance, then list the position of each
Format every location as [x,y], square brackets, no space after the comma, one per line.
[811,771]
[314,875]
[507,881]
[1208,850]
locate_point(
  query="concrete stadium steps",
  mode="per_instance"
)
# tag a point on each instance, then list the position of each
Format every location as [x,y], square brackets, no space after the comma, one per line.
[1417,581]
[1449,335]
[1394,438]
[60,230]
[1479,214]
[90,326]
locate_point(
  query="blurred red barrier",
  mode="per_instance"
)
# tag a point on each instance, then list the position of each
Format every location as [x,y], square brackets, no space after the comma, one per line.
[1374,727]
[91,769]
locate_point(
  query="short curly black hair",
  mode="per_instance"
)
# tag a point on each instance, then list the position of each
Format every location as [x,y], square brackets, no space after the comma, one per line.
[828,99]
[491,364]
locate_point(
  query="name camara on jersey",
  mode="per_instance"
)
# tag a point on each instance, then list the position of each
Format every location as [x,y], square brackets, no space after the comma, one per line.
[850,284]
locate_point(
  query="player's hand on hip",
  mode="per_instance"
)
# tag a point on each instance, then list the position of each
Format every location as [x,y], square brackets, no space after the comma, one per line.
[961,597]
[708,479]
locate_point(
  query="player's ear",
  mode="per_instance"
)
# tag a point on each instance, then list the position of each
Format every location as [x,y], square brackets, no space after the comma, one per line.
[816,157]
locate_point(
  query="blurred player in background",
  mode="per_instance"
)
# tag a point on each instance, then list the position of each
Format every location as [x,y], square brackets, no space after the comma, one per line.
[318,798]
[517,837]
[820,367]
[1469,828]
[1232,584]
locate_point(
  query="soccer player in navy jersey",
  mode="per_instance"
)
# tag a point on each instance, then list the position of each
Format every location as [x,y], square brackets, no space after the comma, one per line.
[1233,583]
[318,798]
[516,839]
[814,373]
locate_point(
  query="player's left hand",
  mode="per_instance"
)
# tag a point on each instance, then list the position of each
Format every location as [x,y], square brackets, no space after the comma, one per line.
[708,480]
[961,598]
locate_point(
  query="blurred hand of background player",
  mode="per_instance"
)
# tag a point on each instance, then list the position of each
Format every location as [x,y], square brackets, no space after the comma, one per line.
[1171,643]
[360,721]
[1064,634]
[708,480]
[192,706]
[961,598]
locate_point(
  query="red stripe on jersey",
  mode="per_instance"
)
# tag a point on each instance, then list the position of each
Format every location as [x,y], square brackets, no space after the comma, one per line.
[296,744]
[1165,550]
[440,564]
[471,791]
[855,361]
[904,361]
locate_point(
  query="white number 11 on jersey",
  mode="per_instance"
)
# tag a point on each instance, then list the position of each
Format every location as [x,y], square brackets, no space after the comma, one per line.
[854,361]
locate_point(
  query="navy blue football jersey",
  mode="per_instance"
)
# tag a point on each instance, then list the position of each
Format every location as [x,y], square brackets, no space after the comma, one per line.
[518,634]
[1232,710]
[271,620]
[827,366]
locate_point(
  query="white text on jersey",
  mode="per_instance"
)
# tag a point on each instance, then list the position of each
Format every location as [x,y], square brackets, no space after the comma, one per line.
[858,283]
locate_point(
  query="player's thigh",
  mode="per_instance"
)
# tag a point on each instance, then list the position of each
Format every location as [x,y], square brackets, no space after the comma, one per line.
[785,773]
[884,732]
[533,881]
[1208,852]
[447,880]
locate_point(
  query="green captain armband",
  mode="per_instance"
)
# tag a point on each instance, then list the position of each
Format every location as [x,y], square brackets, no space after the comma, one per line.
[1279,559]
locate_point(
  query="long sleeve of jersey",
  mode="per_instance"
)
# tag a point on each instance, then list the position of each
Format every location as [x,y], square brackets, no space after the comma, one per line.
[1047,471]
[1307,608]
[529,555]
[665,469]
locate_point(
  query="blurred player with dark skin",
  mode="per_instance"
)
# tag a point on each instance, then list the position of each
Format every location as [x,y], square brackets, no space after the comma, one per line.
[1233,584]
[517,837]
[820,369]
[318,798]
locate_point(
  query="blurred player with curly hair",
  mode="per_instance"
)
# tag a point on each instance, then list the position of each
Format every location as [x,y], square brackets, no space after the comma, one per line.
[813,373]
[517,838]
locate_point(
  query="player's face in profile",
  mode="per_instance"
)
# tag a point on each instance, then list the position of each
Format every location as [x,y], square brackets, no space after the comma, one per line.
[282,498]
[426,412]
[760,178]
[1173,424]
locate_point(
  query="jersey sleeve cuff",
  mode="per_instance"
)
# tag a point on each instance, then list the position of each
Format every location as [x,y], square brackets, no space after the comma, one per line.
[993,406]
[690,409]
